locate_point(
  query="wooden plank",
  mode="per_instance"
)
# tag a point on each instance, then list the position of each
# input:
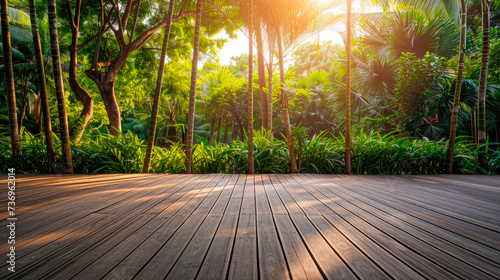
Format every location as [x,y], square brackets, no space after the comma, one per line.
[295,190]
[299,260]
[262,204]
[189,262]
[460,207]
[361,264]
[331,265]
[96,266]
[167,255]
[244,257]
[78,240]
[481,256]
[134,261]
[392,257]
[458,259]
[290,204]
[365,227]
[392,237]
[446,219]
[105,234]
[49,197]
[53,219]
[248,203]
[272,263]
[46,269]
[221,204]
[275,202]
[216,263]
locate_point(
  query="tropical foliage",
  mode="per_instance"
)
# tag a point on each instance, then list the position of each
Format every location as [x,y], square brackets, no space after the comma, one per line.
[119,93]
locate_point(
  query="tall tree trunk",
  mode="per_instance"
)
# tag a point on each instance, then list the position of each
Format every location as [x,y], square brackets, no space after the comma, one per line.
[159,79]
[483,77]
[9,78]
[219,125]
[81,94]
[234,131]
[348,93]
[24,102]
[226,131]
[192,91]
[212,128]
[241,125]
[458,88]
[261,68]
[284,104]
[250,91]
[61,106]
[42,87]
[270,88]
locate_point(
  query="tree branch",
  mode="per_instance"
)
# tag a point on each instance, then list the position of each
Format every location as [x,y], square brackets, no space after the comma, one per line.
[159,49]
[144,37]
[120,33]
[70,16]
[86,43]
[138,7]
[126,13]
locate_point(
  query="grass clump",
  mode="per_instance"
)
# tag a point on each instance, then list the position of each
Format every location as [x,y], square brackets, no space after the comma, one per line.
[372,154]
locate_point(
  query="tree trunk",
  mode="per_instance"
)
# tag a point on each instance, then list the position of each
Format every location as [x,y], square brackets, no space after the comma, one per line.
[284,104]
[348,93]
[458,88]
[192,91]
[234,131]
[58,79]
[159,79]
[81,94]
[9,78]
[226,131]
[483,77]
[212,129]
[24,102]
[42,87]
[219,125]
[250,91]
[261,68]
[270,88]
[242,130]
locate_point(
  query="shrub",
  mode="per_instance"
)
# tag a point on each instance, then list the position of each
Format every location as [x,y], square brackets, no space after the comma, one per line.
[372,153]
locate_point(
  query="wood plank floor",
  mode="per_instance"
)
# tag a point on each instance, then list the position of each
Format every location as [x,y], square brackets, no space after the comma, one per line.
[224,226]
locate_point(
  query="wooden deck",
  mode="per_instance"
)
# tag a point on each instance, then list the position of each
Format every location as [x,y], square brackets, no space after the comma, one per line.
[219,226]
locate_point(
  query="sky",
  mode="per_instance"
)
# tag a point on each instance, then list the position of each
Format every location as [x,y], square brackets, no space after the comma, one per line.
[240,45]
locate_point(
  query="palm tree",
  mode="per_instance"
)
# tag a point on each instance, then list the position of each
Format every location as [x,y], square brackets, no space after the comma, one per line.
[159,79]
[9,78]
[458,87]
[483,76]
[261,68]
[348,92]
[284,105]
[58,79]
[192,92]
[42,86]
[270,84]
[250,91]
